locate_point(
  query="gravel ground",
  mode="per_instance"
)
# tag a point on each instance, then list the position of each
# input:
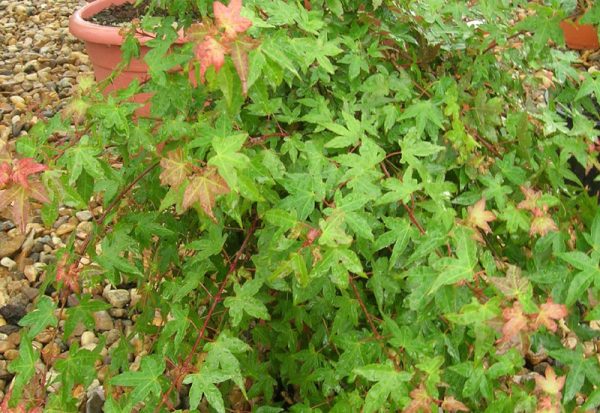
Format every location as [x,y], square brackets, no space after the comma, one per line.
[39,61]
[39,65]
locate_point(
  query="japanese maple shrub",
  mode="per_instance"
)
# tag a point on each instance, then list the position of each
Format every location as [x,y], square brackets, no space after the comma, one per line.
[361,206]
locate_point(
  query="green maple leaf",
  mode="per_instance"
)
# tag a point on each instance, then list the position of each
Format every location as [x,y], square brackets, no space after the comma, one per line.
[589,272]
[221,357]
[592,15]
[457,269]
[346,135]
[176,326]
[337,263]
[23,366]
[400,190]
[400,233]
[227,158]
[333,230]
[203,385]
[388,381]
[145,382]
[42,317]
[82,157]
[245,302]
[427,115]
[84,313]
[544,24]
[79,367]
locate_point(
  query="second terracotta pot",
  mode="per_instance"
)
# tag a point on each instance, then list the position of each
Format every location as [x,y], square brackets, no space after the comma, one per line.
[580,36]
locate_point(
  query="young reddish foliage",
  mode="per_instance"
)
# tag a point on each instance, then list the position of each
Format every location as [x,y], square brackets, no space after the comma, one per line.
[479,218]
[450,404]
[515,322]
[214,42]
[228,18]
[204,188]
[175,168]
[549,312]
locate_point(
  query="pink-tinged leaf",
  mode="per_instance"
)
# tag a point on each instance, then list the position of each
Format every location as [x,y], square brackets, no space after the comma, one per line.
[38,192]
[175,168]
[18,196]
[210,52]
[239,55]
[420,401]
[450,404]
[5,174]
[68,274]
[531,198]
[478,217]
[513,284]
[549,312]
[20,207]
[24,168]
[551,384]
[7,197]
[547,405]
[204,189]
[514,322]
[228,18]
[542,223]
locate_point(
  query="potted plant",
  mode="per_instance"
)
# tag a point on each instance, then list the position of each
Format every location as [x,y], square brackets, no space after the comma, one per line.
[100,25]
[581,29]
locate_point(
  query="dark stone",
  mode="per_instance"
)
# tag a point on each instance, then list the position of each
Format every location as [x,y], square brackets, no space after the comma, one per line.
[95,401]
[13,313]
[8,329]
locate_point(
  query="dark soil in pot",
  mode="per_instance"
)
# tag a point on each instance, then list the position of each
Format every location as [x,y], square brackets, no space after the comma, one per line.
[120,15]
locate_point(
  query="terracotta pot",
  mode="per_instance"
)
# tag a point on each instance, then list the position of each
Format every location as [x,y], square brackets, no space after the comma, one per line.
[580,36]
[103,45]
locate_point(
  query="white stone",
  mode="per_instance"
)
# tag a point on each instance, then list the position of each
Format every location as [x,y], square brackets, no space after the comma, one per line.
[8,263]
[117,298]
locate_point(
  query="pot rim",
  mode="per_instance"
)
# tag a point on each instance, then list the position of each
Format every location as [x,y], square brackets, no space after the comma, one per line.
[95,33]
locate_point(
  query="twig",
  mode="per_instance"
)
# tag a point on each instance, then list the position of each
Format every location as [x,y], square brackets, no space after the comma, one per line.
[114,203]
[495,43]
[409,210]
[217,298]
[364,309]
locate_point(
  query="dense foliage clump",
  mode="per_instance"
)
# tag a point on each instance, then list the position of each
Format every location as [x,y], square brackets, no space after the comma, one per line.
[361,206]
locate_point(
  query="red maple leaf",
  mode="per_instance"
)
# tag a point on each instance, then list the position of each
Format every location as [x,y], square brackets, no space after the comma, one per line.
[228,18]
[210,52]
[5,174]
[514,322]
[24,168]
[68,274]
[549,312]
